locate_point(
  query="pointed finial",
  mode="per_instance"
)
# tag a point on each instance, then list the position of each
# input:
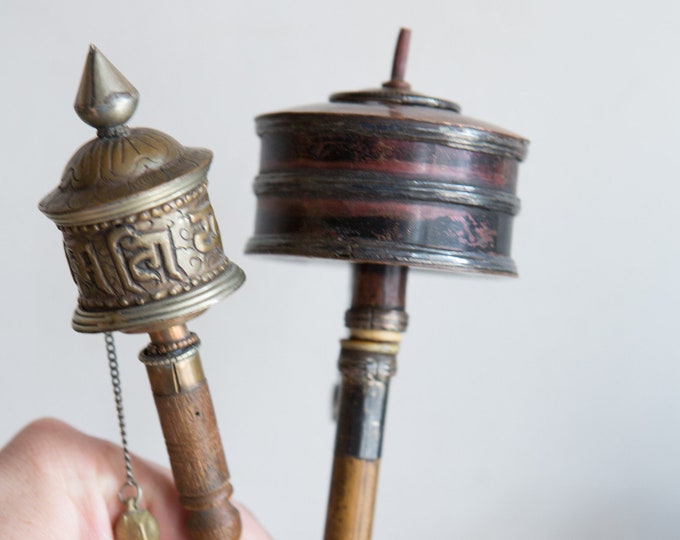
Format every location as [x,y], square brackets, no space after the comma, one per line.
[399,62]
[105,99]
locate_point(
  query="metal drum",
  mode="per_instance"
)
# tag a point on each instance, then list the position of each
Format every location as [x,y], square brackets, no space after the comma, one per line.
[387,176]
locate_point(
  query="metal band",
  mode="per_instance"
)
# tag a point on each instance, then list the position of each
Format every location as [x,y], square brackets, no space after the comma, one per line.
[388,95]
[159,349]
[162,312]
[360,367]
[147,356]
[373,186]
[381,252]
[365,384]
[174,372]
[389,320]
[455,136]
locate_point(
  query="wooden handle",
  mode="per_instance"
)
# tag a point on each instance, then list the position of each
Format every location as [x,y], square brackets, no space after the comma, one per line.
[352,500]
[193,441]
[366,367]
[367,362]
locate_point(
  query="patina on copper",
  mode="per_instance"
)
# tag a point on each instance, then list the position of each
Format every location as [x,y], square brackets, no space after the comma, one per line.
[386,178]
[144,250]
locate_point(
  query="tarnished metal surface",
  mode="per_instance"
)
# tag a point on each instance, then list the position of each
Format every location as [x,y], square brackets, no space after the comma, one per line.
[388,176]
[105,98]
[140,234]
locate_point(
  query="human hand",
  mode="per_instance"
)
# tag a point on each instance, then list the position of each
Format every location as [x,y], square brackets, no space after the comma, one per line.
[58,483]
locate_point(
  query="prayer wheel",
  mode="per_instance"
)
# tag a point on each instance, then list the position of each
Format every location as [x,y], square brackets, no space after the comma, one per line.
[386,179]
[144,250]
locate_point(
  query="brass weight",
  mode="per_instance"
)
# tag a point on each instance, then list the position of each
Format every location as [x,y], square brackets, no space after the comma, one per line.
[136,524]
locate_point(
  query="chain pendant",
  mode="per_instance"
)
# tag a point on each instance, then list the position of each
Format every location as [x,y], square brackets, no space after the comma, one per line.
[134,523]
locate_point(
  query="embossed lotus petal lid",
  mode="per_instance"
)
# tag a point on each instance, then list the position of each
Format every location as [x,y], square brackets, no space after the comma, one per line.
[124,170]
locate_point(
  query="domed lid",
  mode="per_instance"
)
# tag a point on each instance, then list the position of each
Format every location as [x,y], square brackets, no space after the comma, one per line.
[421,117]
[121,171]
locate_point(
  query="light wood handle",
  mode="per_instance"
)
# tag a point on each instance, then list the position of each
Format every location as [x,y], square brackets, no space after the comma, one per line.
[193,442]
[352,498]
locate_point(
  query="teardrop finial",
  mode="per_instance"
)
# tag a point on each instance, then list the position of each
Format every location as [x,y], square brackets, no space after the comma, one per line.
[105,99]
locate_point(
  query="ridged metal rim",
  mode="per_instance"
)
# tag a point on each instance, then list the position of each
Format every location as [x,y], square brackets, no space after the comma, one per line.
[145,317]
[377,252]
[372,186]
[451,135]
[396,97]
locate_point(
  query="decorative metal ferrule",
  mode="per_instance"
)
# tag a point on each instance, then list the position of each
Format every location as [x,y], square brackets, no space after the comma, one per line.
[140,235]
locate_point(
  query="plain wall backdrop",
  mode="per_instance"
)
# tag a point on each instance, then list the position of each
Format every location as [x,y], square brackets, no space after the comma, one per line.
[544,407]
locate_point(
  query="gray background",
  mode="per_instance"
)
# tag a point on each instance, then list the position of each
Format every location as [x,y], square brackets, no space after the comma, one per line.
[539,408]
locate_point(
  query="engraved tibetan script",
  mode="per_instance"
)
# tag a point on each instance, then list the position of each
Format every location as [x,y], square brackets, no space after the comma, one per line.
[141,257]
[206,233]
[85,267]
[147,257]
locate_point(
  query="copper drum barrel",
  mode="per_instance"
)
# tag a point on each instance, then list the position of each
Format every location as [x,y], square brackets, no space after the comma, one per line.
[388,177]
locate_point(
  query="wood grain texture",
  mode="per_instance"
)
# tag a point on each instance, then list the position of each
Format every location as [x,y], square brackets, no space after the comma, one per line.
[197,460]
[379,286]
[352,499]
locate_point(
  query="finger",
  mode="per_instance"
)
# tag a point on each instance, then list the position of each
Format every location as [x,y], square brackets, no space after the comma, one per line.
[159,495]
[252,530]
[79,478]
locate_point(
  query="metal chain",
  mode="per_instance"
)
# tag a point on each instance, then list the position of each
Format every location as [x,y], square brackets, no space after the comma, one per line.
[118,396]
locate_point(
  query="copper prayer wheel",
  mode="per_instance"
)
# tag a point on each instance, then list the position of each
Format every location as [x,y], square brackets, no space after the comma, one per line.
[144,250]
[386,179]
[387,176]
